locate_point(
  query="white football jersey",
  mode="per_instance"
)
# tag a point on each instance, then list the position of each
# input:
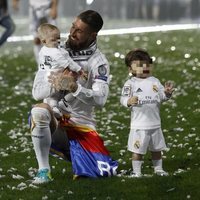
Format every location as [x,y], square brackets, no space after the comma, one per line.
[91,93]
[50,59]
[55,58]
[150,93]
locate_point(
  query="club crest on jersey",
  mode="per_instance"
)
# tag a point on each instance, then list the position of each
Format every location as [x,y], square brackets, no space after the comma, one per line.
[155,88]
[47,63]
[126,90]
[137,144]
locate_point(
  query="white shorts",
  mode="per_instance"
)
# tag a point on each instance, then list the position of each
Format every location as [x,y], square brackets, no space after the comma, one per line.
[140,140]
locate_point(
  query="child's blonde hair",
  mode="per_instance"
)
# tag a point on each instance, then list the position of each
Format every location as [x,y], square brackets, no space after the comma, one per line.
[45,29]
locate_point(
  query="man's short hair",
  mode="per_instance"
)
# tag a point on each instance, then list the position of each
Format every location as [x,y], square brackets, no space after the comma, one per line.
[92,18]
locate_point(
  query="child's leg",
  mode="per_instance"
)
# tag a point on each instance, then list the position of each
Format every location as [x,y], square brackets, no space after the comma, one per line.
[137,163]
[137,143]
[157,160]
[157,144]
[157,163]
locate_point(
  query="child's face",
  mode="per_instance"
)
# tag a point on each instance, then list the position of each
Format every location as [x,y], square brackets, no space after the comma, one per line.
[140,69]
[53,39]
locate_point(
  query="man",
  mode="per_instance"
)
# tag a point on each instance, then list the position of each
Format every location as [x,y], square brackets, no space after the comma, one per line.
[6,22]
[88,154]
[40,12]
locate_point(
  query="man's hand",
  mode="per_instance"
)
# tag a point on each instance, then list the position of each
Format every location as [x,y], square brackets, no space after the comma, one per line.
[62,81]
[132,101]
[68,83]
[84,75]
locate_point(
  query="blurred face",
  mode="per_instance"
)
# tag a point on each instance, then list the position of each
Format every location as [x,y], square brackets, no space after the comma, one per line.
[53,39]
[140,69]
[80,36]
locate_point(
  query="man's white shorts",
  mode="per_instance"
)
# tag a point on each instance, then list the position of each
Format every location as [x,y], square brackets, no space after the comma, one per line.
[140,140]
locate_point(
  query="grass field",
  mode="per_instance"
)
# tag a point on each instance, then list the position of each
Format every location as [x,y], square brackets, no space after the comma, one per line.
[176,58]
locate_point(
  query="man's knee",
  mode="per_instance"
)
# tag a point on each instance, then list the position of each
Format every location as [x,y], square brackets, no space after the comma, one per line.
[40,117]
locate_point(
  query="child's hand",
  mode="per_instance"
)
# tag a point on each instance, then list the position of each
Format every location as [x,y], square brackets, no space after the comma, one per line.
[132,101]
[169,88]
[84,75]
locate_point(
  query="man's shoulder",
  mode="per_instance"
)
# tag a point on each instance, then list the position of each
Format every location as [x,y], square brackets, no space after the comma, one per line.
[99,53]
[98,59]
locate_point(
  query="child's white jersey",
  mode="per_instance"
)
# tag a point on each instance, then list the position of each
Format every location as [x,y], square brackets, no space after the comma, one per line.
[54,58]
[150,93]
[50,59]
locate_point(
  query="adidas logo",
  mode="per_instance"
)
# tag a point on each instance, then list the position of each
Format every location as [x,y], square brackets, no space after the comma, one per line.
[139,90]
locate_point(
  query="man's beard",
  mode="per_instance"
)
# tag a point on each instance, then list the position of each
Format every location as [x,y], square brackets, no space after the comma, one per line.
[76,46]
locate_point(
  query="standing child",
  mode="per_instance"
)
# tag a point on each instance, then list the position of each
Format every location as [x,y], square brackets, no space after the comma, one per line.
[143,94]
[53,58]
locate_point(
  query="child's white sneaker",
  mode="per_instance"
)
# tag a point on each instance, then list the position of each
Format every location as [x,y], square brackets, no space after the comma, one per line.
[161,173]
[135,175]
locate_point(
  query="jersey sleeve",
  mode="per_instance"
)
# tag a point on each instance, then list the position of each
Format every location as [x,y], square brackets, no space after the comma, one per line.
[41,87]
[64,60]
[99,76]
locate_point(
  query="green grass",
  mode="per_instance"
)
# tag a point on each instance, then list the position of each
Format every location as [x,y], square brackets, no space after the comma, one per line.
[180,123]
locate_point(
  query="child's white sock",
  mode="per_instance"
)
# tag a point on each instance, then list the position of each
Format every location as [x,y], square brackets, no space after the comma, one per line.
[157,164]
[137,165]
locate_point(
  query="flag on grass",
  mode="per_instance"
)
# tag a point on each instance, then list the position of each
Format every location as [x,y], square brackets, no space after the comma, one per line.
[88,154]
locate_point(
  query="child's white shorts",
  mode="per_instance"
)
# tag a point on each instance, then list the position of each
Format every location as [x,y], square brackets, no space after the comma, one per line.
[140,140]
